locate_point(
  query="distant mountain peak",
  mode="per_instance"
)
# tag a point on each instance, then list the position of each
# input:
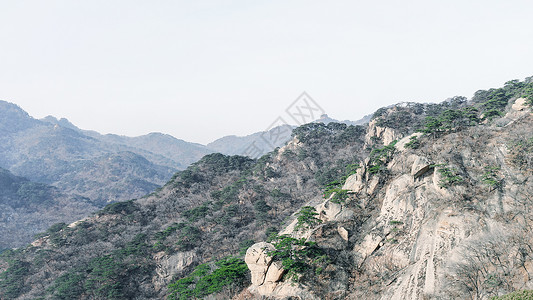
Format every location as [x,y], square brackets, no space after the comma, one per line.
[12,108]
[63,122]
[326,119]
[14,119]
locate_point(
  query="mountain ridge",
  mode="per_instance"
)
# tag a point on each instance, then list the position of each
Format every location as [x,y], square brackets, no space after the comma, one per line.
[84,163]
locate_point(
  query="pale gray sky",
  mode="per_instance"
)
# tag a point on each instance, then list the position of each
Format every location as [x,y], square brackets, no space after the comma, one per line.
[203,69]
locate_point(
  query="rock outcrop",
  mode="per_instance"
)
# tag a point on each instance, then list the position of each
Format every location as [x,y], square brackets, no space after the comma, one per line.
[259,261]
[420,166]
[425,223]
[170,265]
[385,134]
[267,275]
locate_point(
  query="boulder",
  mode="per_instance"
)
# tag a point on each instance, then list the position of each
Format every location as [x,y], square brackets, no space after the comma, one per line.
[401,143]
[258,261]
[369,245]
[343,233]
[420,166]
[275,272]
[169,265]
[330,211]
[386,134]
[355,182]
[267,276]
[519,104]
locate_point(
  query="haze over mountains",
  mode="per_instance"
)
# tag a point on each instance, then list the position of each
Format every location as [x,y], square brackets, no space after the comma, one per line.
[266,141]
[92,169]
[105,168]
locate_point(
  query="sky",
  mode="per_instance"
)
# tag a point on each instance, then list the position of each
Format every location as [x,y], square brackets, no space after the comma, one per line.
[200,70]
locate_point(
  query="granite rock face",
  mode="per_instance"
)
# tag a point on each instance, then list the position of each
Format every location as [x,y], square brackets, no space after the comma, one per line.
[455,205]
[258,261]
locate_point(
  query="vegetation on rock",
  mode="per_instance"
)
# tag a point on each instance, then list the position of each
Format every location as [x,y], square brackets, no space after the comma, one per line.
[306,218]
[449,175]
[379,157]
[414,143]
[207,279]
[298,256]
[520,295]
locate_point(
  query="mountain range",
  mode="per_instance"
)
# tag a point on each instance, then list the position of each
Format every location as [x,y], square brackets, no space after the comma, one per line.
[426,201]
[101,169]
[105,168]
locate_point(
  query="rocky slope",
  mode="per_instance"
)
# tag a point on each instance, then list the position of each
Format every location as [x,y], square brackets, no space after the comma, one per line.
[86,164]
[341,212]
[448,218]
[215,208]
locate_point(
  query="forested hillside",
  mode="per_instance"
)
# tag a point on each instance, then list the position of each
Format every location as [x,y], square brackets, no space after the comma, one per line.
[28,208]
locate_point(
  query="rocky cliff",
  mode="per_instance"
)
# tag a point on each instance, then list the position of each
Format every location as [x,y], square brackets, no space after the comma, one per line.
[448,218]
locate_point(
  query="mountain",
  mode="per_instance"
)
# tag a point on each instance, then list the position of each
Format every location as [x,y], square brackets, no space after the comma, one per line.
[326,120]
[28,208]
[103,168]
[426,201]
[253,145]
[14,119]
[162,149]
[86,165]
[159,148]
[74,172]
[260,143]
[63,122]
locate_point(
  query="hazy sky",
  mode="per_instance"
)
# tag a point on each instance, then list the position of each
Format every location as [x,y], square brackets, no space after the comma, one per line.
[203,69]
